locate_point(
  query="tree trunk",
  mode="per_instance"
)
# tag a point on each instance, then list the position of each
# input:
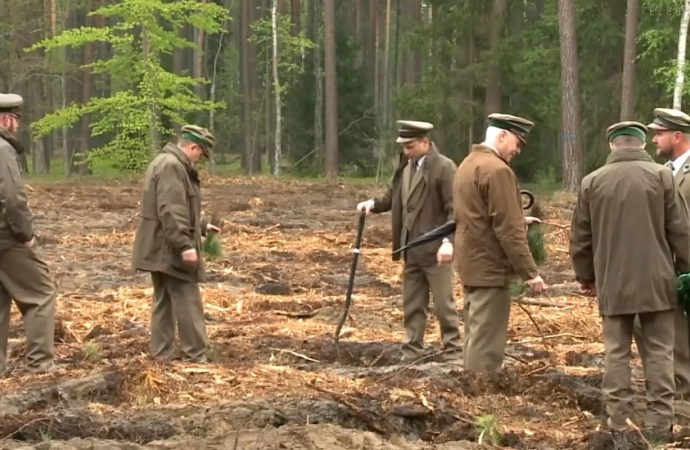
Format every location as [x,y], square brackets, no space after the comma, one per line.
[570,101]
[331,89]
[494,91]
[276,88]
[318,81]
[198,67]
[385,85]
[629,56]
[412,16]
[682,43]
[153,111]
[246,87]
[82,163]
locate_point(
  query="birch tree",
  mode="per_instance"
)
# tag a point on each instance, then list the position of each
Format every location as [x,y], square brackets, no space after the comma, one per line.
[276,87]
[682,43]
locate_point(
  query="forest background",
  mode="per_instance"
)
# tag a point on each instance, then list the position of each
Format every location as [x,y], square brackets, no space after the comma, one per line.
[311,88]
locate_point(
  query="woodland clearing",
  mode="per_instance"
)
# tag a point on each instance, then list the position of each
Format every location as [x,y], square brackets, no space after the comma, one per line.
[272,302]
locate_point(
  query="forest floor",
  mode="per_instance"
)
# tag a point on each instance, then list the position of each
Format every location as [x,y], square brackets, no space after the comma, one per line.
[272,302]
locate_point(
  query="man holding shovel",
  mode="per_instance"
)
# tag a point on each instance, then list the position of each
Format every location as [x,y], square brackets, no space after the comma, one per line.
[420,199]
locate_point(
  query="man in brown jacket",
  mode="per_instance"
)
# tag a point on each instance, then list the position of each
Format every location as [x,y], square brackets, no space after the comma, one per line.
[168,244]
[628,224]
[672,139]
[491,239]
[420,199]
[24,275]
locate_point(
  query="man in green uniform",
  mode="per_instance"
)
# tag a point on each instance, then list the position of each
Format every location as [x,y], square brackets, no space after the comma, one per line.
[420,199]
[630,235]
[491,239]
[24,275]
[168,245]
[672,139]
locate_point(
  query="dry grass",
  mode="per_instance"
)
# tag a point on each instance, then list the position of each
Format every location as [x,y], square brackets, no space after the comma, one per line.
[273,299]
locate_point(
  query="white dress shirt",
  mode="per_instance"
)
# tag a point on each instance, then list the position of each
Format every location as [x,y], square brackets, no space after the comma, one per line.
[678,163]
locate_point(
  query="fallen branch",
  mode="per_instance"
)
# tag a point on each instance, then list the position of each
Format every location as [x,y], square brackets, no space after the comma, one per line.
[551,336]
[298,315]
[541,303]
[299,355]
[536,325]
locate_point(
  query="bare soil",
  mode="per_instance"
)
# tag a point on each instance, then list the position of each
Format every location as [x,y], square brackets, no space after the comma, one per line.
[277,380]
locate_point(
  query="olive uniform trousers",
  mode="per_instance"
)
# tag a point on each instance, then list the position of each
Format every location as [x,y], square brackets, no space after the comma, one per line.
[486,312]
[418,280]
[656,339]
[681,351]
[177,300]
[24,277]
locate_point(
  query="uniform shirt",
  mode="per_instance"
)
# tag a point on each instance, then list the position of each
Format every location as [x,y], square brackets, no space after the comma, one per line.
[677,163]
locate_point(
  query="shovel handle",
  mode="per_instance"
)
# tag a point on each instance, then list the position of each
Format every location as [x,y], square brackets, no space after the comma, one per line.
[351,281]
[530,199]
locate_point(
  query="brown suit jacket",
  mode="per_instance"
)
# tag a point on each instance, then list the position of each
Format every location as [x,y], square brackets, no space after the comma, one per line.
[682,177]
[420,206]
[491,236]
[629,222]
[16,218]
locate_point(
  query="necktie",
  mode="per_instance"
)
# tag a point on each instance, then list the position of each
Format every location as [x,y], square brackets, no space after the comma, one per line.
[413,170]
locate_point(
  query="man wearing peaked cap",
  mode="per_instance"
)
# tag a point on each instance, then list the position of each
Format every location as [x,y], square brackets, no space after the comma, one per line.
[168,244]
[630,235]
[199,136]
[24,276]
[411,130]
[420,199]
[671,129]
[518,126]
[492,246]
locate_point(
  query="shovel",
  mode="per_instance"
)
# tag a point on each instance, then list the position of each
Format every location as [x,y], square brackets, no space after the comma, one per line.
[449,228]
[351,281]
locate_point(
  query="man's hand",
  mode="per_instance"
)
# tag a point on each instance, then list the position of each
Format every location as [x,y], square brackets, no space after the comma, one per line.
[588,289]
[213,228]
[190,258]
[444,253]
[366,206]
[529,220]
[537,284]
[31,243]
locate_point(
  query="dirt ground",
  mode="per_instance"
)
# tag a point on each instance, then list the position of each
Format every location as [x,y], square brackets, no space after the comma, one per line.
[276,380]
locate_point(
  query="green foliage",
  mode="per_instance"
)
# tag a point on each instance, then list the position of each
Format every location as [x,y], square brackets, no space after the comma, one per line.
[227,122]
[148,94]
[487,427]
[536,243]
[289,47]
[212,246]
[357,127]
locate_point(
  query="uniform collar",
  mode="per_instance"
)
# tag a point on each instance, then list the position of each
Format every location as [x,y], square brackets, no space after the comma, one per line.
[628,154]
[677,163]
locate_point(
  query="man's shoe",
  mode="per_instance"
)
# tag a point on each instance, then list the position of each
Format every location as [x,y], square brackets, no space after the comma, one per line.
[47,367]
